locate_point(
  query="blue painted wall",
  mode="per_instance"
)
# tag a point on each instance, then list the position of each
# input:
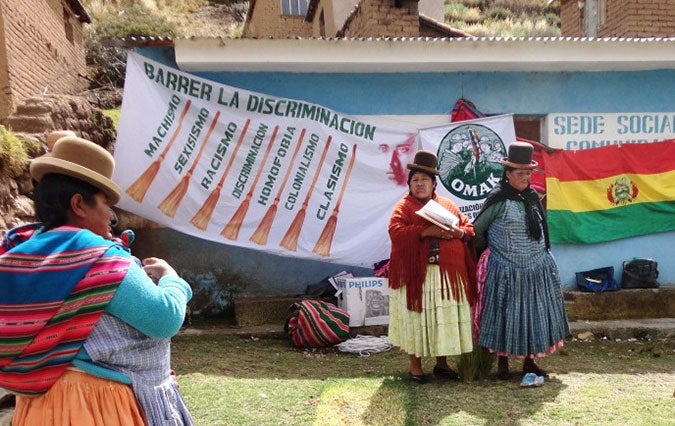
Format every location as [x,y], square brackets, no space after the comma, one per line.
[527,93]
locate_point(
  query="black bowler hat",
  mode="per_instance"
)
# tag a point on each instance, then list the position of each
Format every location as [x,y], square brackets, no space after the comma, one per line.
[520,156]
[425,161]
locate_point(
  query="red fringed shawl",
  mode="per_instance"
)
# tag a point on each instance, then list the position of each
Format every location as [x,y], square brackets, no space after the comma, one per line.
[410,254]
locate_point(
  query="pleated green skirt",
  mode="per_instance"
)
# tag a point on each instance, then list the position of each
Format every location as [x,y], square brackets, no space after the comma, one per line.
[443,328]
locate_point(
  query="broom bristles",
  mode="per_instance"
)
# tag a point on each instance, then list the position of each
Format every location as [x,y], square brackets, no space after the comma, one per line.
[170,204]
[138,189]
[231,230]
[262,231]
[201,219]
[322,246]
[290,240]
[475,365]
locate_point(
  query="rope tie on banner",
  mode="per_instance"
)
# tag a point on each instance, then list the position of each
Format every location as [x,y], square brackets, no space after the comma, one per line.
[365,345]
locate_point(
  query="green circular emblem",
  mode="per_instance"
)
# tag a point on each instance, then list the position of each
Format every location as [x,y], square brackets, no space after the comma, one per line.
[469,161]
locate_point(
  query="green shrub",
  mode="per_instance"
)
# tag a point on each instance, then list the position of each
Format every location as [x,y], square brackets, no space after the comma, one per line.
[499,13]
[107,63]
[504,18]
[523,8]
[13,154]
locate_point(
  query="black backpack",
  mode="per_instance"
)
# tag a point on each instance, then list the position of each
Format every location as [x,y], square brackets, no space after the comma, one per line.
[640,273]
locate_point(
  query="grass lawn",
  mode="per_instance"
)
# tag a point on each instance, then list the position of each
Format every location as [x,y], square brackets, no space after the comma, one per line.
[230,380]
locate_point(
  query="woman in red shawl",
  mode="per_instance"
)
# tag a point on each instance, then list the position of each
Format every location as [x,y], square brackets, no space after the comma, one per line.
[430,277]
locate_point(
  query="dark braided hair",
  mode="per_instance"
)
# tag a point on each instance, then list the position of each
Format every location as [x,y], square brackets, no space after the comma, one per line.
[52,198]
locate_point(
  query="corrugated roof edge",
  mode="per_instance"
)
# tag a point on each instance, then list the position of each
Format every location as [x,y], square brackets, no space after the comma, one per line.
[169,41]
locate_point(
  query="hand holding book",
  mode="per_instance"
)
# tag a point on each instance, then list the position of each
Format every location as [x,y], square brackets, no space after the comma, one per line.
[438,215]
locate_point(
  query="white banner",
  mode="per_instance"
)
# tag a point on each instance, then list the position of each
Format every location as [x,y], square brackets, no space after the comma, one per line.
[257,171]
[574,131]
[281,175]
[469,158]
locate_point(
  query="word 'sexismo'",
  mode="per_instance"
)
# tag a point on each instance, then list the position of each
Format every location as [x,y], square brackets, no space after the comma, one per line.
[191,142]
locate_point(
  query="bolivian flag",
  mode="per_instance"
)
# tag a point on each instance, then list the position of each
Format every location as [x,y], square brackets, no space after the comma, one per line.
[612,192]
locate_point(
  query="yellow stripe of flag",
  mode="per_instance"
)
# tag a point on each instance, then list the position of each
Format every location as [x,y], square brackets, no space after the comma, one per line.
[615,191]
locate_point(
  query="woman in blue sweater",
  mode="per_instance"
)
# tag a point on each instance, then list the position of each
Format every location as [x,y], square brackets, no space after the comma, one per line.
[84,330]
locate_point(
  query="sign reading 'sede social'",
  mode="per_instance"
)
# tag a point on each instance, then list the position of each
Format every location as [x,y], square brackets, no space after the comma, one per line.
[574,131]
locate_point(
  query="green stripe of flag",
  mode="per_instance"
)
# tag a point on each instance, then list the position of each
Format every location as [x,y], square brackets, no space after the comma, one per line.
[611,224]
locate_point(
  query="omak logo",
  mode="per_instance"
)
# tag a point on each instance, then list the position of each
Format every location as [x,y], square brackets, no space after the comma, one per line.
[622,191]
[470,161]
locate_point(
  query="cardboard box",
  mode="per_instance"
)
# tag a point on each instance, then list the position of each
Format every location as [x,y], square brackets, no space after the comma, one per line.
[366,299]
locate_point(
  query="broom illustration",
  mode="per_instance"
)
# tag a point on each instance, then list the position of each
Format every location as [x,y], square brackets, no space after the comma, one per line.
[323,244]
[138,189]
[290,240]
[170,204]
[231,230]
[203,216]
[263,229]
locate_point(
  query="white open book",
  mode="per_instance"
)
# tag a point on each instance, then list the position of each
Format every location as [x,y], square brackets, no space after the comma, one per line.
[438,215]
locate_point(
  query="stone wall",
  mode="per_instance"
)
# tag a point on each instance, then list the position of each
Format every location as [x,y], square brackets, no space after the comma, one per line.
[42,51]
[34,119]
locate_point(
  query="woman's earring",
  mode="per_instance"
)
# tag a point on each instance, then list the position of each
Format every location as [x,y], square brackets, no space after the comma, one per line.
[113,219]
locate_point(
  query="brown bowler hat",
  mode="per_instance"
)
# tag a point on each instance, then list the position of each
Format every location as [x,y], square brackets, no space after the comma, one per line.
[425,161]
[520,156]
[81,159]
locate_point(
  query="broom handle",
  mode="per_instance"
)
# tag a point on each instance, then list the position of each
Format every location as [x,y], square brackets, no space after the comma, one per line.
[316,175]
[177,131]
[262,163]
[206,139]
[344,185]
[290,166]
[234,154]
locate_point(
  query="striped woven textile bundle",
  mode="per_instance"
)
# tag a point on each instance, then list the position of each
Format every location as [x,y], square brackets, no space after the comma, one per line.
[55,287]
[315,324]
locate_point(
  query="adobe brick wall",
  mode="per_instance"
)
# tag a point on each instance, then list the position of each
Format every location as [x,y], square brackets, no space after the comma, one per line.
[571,22]
[639,18]
[267,22]
[379,18]
[624,18]
[37,56]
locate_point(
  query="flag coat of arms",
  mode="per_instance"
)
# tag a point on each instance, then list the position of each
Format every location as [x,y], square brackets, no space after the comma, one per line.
[610,193]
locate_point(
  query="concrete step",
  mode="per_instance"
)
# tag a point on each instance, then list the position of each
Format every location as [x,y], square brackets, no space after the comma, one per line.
[641,329]
[255,311]
[621,305]
[625,314]
[618,305]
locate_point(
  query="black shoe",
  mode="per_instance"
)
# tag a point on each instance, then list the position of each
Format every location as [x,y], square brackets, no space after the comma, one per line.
[445,373]
[420,379]
[7,401]
[531,367]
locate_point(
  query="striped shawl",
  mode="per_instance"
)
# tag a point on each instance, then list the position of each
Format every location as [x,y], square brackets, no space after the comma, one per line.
[55,286]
